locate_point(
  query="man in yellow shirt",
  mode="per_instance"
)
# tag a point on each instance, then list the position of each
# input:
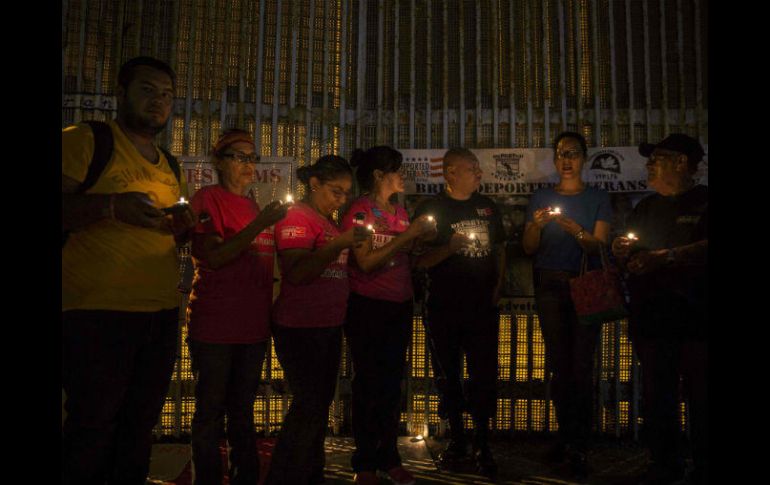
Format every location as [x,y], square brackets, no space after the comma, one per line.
[119,279]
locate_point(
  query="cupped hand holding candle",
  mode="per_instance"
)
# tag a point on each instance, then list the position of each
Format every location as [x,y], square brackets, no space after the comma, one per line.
[631,236]
[555,211]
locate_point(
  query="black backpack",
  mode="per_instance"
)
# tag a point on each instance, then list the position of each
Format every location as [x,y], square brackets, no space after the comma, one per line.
[103,146]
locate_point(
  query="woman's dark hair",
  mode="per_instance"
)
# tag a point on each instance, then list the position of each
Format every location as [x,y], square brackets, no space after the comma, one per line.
[574,135]
[326,168]
[383,158]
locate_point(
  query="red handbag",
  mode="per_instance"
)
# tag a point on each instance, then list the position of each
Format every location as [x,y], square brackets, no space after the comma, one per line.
[598,295]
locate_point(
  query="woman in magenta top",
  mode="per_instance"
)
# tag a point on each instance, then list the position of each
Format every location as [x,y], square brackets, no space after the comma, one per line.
[229,310]
[308,316]
[379,316]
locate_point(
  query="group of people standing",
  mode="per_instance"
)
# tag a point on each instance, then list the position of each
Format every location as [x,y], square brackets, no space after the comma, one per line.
[355,277]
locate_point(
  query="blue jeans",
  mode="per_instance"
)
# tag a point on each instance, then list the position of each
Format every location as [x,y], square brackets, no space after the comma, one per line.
[227,380]
[116,369]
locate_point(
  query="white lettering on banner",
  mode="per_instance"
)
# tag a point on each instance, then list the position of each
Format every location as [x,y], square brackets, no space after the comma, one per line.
[272,176]
[523,171]
[379,240]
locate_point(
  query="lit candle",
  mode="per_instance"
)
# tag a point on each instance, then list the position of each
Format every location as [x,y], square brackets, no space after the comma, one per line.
[181,201]
[430,218]
[631,236]
[289,199]
[556,211]
[370,227]
[472,236]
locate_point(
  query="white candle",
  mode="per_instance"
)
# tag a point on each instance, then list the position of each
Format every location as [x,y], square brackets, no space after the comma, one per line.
[289,199]
[631,236]
[556,210]
[430,218]
[181,201]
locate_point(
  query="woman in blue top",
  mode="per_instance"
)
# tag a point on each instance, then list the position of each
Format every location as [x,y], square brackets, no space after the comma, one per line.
[563,222]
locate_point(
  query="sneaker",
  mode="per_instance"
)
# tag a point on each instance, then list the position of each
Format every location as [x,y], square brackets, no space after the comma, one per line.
[485,462]
[366,478]
[400,476]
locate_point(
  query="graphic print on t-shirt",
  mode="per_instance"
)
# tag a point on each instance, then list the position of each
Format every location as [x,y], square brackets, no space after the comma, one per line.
[480,230]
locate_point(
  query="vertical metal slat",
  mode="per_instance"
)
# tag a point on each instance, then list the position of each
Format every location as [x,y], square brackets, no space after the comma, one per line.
[396,48]
[613,76]
[630,54]
[258,79]
[380,65]
[276,79]
[596,82]
[562,66]
[343,78]
[647,87]
[361,69]
[307,151]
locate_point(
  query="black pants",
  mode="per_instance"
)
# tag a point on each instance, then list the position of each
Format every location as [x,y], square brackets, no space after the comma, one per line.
[465,323]
[116,369]
[227,381]
[378,334]
[310,358]
[569,355]
[663,360]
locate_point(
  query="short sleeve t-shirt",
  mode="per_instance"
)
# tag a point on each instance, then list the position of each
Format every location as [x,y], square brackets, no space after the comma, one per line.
[110,265]
[323,301]
[664,222]
[231,304]
[559,250]
[472,269]
[391,282]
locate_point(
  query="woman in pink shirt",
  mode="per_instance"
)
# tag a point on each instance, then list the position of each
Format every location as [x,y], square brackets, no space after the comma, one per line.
[308,316]
[229,310]
[379,317]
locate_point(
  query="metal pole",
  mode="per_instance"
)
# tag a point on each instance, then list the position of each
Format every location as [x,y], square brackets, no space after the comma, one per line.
[137,29]
[155,30]
[478,74]
[241,67]
[664,67]
[294,54]
[192,47]
[81,55]
[324,143]
[380,65]
[412,77]
[169,131]
[495,39]
[307,151]
[396,48]
[698,76]
[343,77]
[630,56]
[647,93]
[445,77]
[562,67]
[276,79]
[511,88]
[461,121]
[258,79]
[613,77]
[361,69]
[546,85]
[596,81]
[578,66]
[680,48]
[428,79]
[528,70]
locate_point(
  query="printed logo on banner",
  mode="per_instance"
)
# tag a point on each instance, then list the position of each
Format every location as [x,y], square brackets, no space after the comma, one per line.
[507,166]
[606,160]
[416,168]
[293,232]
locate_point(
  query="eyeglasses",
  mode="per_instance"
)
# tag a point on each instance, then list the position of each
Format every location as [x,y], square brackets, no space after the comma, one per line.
[242,157]
[570,154]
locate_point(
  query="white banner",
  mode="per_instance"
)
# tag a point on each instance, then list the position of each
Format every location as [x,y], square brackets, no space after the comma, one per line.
[521,171]
[273,179]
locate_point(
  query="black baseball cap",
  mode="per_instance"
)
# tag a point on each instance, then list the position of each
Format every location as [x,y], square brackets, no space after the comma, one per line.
[676,142]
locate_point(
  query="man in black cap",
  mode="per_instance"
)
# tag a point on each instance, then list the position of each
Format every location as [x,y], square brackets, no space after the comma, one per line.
[668,268]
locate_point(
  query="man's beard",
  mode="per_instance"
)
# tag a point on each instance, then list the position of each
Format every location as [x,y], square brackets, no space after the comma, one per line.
[136,123]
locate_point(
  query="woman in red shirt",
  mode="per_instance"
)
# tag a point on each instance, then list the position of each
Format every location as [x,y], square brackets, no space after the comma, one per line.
[229,310]
[308,316]
[379,318]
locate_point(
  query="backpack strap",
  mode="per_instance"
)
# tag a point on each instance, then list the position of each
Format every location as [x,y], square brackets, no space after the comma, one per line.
[173,163]
[104,144]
